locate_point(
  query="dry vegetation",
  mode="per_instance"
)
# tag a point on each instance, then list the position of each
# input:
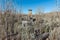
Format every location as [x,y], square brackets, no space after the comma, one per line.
[45,26]
[55,34]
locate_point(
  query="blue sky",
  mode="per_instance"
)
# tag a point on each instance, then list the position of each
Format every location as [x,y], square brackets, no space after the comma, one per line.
[46,5]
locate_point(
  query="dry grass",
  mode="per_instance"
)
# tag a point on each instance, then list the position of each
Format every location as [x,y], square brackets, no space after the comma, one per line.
[55,34]
[48,22]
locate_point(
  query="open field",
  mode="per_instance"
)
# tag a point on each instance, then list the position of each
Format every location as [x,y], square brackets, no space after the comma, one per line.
[33,27]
